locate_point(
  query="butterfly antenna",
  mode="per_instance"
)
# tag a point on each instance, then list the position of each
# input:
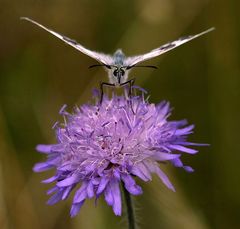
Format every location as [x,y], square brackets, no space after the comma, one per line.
[99,65]
[143,66]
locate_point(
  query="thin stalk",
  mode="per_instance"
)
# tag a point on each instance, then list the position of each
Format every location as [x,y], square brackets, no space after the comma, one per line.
[129,208]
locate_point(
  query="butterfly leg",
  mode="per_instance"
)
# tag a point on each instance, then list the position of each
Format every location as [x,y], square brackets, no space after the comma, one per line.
[128,97]
[131,83]
[102,84]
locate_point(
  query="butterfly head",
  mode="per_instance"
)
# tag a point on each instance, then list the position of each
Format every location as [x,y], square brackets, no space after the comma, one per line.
[117,74]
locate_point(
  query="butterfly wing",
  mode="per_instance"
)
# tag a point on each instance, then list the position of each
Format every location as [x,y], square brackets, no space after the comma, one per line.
[131,61]
[100,57]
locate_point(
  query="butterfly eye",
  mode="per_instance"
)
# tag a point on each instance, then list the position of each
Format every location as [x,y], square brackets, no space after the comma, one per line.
[122,72]
[115,72]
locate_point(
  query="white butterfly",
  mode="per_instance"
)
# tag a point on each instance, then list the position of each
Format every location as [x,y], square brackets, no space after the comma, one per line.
[118,65]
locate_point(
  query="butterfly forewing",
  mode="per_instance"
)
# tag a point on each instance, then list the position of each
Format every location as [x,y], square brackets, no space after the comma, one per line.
[131,61]
[100,57]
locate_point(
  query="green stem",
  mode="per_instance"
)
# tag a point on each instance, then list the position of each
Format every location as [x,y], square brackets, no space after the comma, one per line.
[129,208]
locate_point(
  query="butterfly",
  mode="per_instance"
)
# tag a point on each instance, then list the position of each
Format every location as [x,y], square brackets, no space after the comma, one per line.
[118,65]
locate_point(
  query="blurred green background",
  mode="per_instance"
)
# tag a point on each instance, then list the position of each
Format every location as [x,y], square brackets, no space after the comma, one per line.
[39,73]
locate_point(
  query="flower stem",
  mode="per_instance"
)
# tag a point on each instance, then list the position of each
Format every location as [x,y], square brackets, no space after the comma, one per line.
[129,208]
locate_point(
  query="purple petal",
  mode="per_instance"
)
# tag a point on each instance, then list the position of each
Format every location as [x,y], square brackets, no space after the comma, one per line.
[164,178]
[58,148]
[62,110]
[131,185]
[188,169]
[55,198]
[55,125]
[117,203]
[69,181]
[194,144]
[163,108]
[76,208]
[102,185]
[90,191]
[183,149]
[116,174]
[49,180]
[95,92]
[108,195]
[140,89]
[67,167]
[42,166]
[67,192]
[44,148]
[177,124]
[52,190]
[165,156]
[178,163]
[183,131]
[141,171]
[54,159]
[80,194]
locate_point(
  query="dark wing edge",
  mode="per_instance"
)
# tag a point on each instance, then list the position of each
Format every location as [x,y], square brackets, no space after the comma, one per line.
[131,61]
[102,58]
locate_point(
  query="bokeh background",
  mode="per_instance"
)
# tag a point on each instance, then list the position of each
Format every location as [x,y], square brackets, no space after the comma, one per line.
[39,73]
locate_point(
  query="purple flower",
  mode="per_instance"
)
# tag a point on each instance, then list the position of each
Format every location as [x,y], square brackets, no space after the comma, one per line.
[97,148]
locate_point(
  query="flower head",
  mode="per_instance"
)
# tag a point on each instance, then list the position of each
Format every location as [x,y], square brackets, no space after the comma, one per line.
[100,146]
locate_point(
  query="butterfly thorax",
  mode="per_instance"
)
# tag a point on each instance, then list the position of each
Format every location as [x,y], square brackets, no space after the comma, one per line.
[118,57]
[118,73]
